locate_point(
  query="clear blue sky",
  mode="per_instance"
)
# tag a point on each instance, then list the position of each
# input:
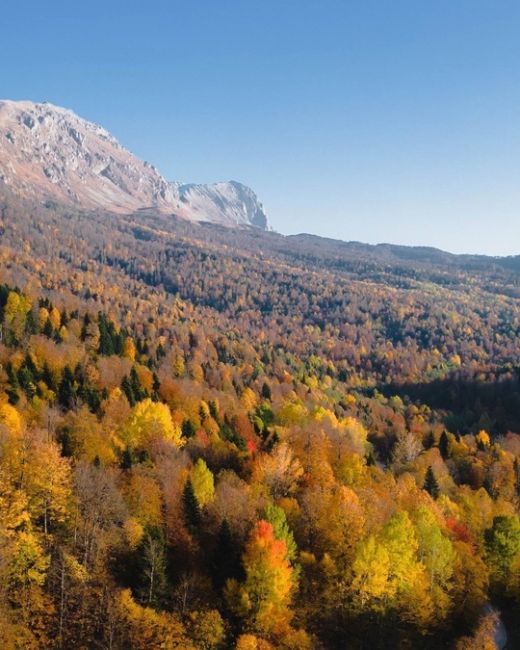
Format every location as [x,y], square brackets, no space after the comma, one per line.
[376,121]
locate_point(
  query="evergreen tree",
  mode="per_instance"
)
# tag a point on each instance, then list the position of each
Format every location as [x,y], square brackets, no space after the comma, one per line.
[47,329]
[57,338]
[444,445]
[84,328]
[106,342]
[29,364]
[191,507]
[127,458]
[92,397]
[127,389]
[12,396]
[12,375]
[26,381]
[430,483]
[188,429]
[213,410]
[48,377]
[155,387]
[138,391]
[66,390]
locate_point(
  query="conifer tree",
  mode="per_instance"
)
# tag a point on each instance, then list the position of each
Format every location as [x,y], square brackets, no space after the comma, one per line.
[127,389]
[47,329]
[191,507]
[430,483]
[188,429]
[66,392]
[444,445]
[266,391]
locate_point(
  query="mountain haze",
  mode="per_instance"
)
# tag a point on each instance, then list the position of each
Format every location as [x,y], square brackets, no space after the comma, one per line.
[49,153]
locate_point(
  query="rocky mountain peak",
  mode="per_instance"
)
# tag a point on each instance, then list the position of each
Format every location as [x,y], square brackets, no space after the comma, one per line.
[48,152]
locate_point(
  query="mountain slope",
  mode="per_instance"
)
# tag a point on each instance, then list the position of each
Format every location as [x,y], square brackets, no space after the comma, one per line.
[47,152]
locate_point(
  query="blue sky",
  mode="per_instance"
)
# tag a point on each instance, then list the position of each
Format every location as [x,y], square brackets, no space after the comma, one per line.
[375,121]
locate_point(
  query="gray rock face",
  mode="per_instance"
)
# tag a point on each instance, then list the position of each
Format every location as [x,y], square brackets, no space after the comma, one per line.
[47,152]
[227,203]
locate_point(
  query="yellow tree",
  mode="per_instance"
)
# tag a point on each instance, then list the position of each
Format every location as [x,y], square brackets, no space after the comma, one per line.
[437,555]
[15,314]
[203,482]
[148,421]
[48,484]
[142,628]
[372,585]
[407,575]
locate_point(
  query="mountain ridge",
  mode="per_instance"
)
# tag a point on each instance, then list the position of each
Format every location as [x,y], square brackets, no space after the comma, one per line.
[49,152]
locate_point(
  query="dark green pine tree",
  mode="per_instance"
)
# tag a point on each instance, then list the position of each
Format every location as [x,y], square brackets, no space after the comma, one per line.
[47,329]
[84,330]
[139,392]
[26,381]
[127,458]
[92,398]
[191,508]
[48,377]
[106,343]
[66,390]
[29,364]
[266,391]
[444,445]
[127,389]
[12,392]
[57,338]
[188,429]
[4,294]
[213,410]
[430,483]
[12,375]
[118,340]
[156,385]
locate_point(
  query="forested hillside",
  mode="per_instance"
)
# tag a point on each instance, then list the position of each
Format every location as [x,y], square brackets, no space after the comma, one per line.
[232,439]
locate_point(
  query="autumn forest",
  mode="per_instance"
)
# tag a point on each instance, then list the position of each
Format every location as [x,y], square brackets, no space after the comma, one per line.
[230,439]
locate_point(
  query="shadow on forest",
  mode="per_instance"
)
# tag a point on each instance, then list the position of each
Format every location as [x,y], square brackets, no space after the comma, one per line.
[470,404]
